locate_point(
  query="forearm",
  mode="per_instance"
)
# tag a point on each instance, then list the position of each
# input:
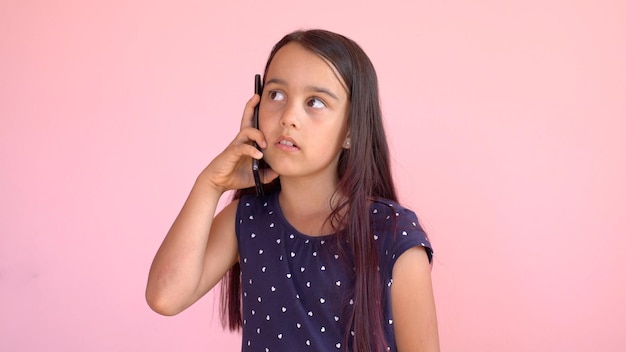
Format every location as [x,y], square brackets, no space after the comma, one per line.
[179,263]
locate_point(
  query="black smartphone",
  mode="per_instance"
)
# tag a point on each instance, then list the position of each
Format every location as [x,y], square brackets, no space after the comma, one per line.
[258,89]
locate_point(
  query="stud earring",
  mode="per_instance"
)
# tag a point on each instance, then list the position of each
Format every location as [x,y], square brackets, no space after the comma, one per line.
[346,144]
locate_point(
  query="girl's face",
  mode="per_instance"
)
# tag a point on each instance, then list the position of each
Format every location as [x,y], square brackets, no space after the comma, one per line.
[303,114]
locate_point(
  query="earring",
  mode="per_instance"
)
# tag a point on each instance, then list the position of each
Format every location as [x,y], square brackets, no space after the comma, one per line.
[346,144]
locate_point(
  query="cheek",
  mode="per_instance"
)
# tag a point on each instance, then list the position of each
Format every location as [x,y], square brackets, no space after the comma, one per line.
[265,118]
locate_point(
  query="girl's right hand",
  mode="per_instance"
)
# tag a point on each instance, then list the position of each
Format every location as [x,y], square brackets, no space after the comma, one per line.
[232,169]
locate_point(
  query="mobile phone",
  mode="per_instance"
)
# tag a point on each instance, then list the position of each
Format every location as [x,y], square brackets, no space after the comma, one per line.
[258,89]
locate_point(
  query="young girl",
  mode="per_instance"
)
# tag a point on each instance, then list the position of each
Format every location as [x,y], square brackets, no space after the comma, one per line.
[326,260]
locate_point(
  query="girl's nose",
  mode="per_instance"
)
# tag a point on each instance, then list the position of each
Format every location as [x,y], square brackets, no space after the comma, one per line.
[290,118]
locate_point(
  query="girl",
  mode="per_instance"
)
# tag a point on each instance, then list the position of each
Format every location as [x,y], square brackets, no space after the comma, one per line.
[327,260]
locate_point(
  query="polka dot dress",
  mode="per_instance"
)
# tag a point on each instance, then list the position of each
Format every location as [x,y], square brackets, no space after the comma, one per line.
[296,288]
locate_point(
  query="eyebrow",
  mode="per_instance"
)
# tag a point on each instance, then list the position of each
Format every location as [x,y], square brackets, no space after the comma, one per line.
[308,88]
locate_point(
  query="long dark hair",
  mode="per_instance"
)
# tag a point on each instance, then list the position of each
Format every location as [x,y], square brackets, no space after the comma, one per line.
[364,174]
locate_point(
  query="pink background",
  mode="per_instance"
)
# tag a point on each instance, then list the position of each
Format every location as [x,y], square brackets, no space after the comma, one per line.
[506,121]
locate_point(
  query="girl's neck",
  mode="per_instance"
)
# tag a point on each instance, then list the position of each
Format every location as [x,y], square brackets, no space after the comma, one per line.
[307,205]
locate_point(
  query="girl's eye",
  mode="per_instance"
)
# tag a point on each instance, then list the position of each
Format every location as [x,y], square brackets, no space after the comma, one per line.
[316,103]
[275,95]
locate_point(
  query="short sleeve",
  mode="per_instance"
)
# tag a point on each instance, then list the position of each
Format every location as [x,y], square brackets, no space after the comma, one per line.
[409,233]
[396,229]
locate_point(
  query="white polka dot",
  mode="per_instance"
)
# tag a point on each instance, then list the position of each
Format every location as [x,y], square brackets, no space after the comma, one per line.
[260,251]
[338,283]
[322,300]
[288,276]
[302,269]
[291,236]
[322,242]
[323,268]
[308,284]
[336,318]
[253,235]
[375,211]
[315,254]
[375,237]
[293,254]
[280,336]
[308,342]
[336,256]
[259,299]
[283,309]
[272,225]
[258,330]
[253,312]
[404,233]
[267,317]
[310,313]
[338,345]
[273,289]
[251,217]
[298,325]
[263,269]
[323,329]
[390,321]
[278,241]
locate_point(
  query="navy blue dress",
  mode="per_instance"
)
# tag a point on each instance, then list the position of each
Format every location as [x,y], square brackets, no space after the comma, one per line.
[297,289]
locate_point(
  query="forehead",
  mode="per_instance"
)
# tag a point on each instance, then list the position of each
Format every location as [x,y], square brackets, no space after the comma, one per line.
[296,64]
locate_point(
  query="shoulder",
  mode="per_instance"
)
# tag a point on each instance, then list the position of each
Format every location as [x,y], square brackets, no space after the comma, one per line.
[398,227]
[387,214]
[251,204]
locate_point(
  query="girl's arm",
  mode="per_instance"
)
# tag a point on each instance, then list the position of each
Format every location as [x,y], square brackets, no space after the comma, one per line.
[413,303]
[199,249]
[187,265]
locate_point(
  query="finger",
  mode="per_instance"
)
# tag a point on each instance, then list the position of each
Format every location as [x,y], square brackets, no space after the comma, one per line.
[248,134]
[248,150]
[248,112]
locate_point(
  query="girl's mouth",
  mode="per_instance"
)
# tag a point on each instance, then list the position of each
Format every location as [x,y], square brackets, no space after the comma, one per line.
[286,144]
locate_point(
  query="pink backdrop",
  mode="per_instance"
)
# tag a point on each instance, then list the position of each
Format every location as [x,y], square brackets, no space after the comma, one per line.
[506,120]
